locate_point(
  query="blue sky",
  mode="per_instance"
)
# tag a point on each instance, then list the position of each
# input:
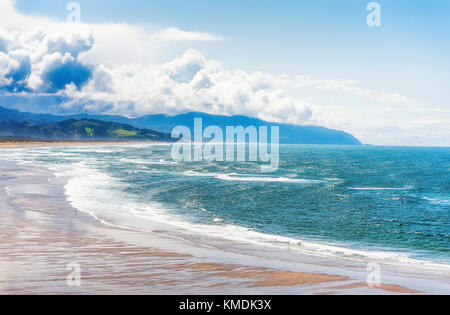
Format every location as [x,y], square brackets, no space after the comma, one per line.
[326,40]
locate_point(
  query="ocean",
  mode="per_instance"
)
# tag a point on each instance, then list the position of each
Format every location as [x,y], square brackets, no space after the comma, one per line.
[361,202]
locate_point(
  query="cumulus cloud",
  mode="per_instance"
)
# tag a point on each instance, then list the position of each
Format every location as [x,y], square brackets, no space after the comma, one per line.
[47,61]
[116,69]
[56,62]
[39,61]
[190,83]
[63,70]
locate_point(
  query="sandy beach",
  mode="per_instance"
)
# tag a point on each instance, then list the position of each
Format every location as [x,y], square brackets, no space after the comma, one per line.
[42,235]
[242,149]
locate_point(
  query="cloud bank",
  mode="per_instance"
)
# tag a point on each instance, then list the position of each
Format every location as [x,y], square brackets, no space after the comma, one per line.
[51,62]
[52,66]
[66,60]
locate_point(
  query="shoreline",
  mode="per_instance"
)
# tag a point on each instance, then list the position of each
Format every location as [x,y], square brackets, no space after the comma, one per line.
[121,260]
[12,144]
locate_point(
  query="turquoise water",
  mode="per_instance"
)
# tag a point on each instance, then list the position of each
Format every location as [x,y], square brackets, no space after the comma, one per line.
[362,198]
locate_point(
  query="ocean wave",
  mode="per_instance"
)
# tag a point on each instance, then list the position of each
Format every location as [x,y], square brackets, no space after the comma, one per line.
[438,200]
[243,178]
[378,188]
[148,162]
[93,192]
[102,196]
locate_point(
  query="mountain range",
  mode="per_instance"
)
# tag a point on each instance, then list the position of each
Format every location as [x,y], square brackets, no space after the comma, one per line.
[158,126]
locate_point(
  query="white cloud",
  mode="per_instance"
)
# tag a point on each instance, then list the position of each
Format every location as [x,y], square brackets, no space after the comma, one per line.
[116,68]
[41,61]
[115,43]
[192,83]
[175,34]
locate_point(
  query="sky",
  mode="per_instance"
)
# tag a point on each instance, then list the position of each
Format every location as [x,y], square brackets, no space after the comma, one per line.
[302,62]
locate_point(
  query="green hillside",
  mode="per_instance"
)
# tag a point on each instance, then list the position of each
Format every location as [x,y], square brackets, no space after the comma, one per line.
[73,129]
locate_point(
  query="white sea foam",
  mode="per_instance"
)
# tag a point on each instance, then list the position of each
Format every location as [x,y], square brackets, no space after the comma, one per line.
[8,191]
[377,188]
[165,162]
[197,174]
[136,161]
[93,192]
[267,179]
[98,194]
[438,200]
[87,149]
[242,178]
[148,162]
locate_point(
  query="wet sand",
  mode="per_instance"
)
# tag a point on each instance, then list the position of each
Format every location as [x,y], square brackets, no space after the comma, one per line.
[41,235]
